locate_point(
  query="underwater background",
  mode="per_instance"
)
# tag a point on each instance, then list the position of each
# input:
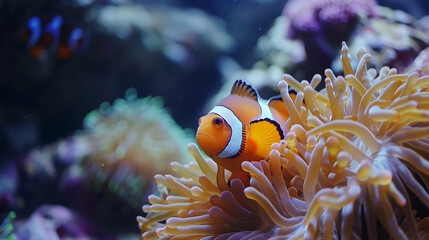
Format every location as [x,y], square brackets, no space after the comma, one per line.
[99,96]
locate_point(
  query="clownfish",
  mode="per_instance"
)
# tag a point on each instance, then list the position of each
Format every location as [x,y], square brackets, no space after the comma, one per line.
[42,35]
[242,127]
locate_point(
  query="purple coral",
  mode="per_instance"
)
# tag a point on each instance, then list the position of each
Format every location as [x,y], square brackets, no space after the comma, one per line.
[322,25]
[314,15]
[52,222]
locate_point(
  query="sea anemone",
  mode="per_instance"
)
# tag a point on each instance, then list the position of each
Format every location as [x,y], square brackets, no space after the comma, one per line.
[354,161]
[128,141]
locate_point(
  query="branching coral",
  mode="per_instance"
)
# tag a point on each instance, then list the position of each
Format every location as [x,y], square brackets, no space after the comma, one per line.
[355,157]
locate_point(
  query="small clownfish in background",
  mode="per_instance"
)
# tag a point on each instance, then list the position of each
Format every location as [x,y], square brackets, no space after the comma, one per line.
[240,128]
[52,35]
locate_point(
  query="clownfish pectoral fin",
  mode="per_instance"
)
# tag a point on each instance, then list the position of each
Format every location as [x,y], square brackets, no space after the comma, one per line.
[243,89]
[265,132]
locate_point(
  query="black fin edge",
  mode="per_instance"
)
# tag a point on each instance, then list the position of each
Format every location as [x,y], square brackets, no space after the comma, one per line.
[279,129]
[279,97]
[239,84]
[275,98]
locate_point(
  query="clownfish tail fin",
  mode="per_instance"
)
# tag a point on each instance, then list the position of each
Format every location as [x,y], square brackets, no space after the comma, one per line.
[241,88]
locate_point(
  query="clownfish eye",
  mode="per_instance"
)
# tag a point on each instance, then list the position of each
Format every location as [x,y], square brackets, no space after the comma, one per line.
[217,121]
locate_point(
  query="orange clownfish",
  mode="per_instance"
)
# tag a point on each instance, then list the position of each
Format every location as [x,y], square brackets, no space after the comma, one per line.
[240,128]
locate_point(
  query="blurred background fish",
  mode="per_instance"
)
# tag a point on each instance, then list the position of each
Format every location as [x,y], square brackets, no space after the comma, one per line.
[54,34]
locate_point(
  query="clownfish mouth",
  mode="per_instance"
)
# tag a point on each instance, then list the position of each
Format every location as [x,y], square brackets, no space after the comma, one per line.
[204,138]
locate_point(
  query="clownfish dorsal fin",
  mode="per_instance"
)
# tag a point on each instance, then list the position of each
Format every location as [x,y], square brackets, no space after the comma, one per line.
[241,88]
[277,105]
[265,132]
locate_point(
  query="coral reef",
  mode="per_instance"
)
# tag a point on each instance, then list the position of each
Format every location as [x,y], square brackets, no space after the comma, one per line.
[353,163]
[355,158]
